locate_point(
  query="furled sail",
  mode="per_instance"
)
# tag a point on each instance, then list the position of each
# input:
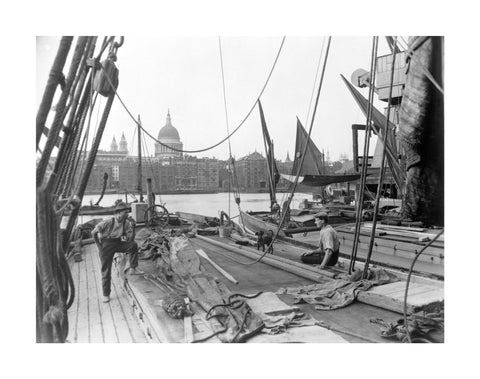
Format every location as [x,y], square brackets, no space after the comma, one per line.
[421,131]
[273,174]
[310,171]
[379,127]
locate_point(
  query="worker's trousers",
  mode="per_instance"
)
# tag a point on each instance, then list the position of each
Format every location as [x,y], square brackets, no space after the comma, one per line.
[111,246]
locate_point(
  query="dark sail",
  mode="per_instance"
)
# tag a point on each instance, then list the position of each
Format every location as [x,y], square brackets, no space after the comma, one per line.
[273,174]
[379,127]
[312,164]
[421,132]
[311,173]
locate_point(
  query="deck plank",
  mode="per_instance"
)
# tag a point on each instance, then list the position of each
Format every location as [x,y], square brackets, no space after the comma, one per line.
[109,330]
[73,311]
[92,320]
[252,278]
[392,295]
[82,332]
[95,319]
[134,330]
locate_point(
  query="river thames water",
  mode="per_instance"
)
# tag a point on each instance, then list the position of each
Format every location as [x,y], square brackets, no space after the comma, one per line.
[204,204]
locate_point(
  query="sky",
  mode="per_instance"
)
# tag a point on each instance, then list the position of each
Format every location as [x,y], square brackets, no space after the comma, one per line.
[183,75]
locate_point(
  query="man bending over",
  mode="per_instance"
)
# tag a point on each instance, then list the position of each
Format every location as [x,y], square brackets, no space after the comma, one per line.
[115,235]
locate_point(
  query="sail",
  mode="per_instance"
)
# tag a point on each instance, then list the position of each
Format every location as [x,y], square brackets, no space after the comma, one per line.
[322,180]
[273,174]
[421,132]
[312,164]
[379,127]
[310,171]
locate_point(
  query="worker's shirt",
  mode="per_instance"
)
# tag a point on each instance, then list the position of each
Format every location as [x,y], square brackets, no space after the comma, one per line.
[111,228]
[329,239]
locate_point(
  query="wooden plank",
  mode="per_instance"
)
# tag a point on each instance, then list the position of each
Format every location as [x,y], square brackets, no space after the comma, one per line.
[272,261]
[395,227]
[397,289]
[217,267]
[429,264]
[154,314]
[128,329]
[419,297]
[407,249]
[252,278]
[83,330]
[109,331]
[73,312]
[294,253]
[417,235]
[95,320]
[425,300]
[116,309]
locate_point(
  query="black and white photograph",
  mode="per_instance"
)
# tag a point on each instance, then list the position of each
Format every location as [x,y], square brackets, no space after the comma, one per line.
[241,189]
[165,214]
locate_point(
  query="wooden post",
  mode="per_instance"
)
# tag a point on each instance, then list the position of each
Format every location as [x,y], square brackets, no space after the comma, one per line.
[140,159]
[150,195]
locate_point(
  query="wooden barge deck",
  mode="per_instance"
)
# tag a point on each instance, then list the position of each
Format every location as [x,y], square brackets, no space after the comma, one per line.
[91,320]
[135,312]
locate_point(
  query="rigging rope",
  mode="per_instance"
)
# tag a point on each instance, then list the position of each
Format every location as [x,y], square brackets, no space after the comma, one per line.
[149,161]
[75,123]
[382,167]
[315,81]
[223,140]
[54,79]
[226,112]
[289,200]
[59,114]
[366,146]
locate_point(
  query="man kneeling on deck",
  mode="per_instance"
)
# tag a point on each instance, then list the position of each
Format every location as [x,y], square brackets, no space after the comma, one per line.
[327,252]
[112,236]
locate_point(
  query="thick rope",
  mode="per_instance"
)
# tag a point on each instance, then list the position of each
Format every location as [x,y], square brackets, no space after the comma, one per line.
[89,165]
[54,79]
[223,140]
[59,114]
[67,152]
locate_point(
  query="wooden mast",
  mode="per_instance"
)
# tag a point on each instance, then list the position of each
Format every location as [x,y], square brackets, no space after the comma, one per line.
[139,187]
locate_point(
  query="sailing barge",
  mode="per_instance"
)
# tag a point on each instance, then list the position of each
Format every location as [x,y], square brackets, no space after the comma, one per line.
[217,288]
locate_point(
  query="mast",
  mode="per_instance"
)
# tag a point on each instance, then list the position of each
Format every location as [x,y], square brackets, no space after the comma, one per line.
[139,187]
